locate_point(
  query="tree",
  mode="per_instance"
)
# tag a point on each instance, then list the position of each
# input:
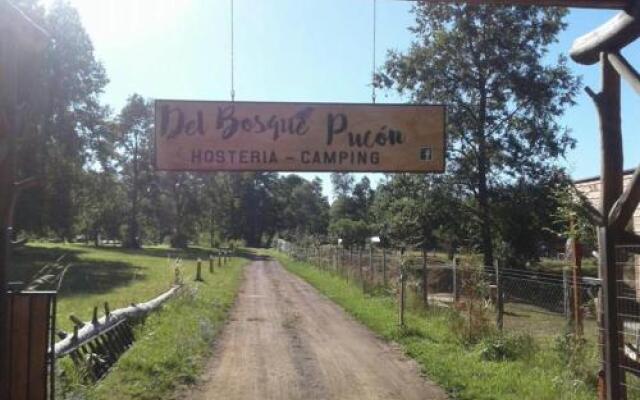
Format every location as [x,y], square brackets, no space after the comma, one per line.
[135,125]
[485,63]
[70,130]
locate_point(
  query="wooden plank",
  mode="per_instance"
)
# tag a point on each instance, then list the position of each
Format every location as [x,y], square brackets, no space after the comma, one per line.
[607,4]
[253,136]
[38,335]
[5,360]
[20,348]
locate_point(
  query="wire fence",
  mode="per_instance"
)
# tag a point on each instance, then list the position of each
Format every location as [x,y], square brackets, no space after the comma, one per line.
[628,296]
[538,303]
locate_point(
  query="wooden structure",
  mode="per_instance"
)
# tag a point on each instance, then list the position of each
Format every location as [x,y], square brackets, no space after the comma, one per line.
[269,136]
[28,363]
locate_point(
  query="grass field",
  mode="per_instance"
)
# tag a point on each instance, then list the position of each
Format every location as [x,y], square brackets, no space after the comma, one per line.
[539,373]
[97,275]
[172,344]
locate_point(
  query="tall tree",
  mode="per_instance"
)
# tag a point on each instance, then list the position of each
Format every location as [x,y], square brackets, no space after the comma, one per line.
[485,63]
[135,124]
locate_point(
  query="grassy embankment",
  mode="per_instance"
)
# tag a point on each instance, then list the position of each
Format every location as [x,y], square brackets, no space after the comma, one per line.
[173,343]
[463,370]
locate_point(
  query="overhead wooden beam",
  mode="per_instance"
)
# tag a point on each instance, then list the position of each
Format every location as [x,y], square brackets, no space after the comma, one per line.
[601,4]
[626,71]
[624,207]
[610,37]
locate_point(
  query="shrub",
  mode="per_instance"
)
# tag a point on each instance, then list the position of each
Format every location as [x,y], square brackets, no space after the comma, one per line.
[475,322]
[502,347]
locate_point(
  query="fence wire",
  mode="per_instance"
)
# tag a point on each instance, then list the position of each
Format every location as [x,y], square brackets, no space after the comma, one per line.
[536,302]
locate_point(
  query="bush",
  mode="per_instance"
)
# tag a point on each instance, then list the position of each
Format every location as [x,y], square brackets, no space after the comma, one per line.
[475,322]
[506,347]
[576,355]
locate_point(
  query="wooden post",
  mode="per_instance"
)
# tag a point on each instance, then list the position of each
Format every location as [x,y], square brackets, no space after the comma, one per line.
[454,278]
[384,266]
[566,294]
[577,273]
[199,270]
[608,105]
[371,265]
[499,299]
[402,292]
[360,269]
[211,269]
[219,258]
[425,280]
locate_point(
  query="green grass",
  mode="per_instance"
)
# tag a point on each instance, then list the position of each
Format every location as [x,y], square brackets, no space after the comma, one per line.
[174,343]
[171,345]
[97,275]
[460,369]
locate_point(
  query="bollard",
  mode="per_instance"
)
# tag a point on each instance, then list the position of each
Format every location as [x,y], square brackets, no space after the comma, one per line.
[199,270]
[211,270]
[219,258]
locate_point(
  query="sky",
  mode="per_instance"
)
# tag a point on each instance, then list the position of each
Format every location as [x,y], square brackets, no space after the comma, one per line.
[293,50]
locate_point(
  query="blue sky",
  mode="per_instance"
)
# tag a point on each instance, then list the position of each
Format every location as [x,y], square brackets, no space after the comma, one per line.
[293,50]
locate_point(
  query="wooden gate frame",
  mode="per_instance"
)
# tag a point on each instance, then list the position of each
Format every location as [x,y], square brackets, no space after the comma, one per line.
[602,45]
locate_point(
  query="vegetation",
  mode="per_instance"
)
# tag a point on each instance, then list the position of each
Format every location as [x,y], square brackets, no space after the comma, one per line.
[173,344]
[502,101]
[495,367]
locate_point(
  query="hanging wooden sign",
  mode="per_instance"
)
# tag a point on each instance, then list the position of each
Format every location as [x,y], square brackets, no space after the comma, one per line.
[252,136]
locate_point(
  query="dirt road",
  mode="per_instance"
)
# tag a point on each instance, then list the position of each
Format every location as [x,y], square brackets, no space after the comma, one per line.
[286,341]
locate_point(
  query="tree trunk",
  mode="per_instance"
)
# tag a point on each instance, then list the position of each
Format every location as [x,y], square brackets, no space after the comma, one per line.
[482,194]
[132,239]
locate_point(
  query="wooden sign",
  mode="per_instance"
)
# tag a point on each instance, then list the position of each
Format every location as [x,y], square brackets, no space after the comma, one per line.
[251,136]
[608,4]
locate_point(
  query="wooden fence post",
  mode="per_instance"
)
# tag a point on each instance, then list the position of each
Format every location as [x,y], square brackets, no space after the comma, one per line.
[384,266]
[454,278]
[371,265]
[577,272]
[499,298]
[211,270]
[425,279]
[199,270]
[219,258]
[402,294]
[565,293]
[360,268]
